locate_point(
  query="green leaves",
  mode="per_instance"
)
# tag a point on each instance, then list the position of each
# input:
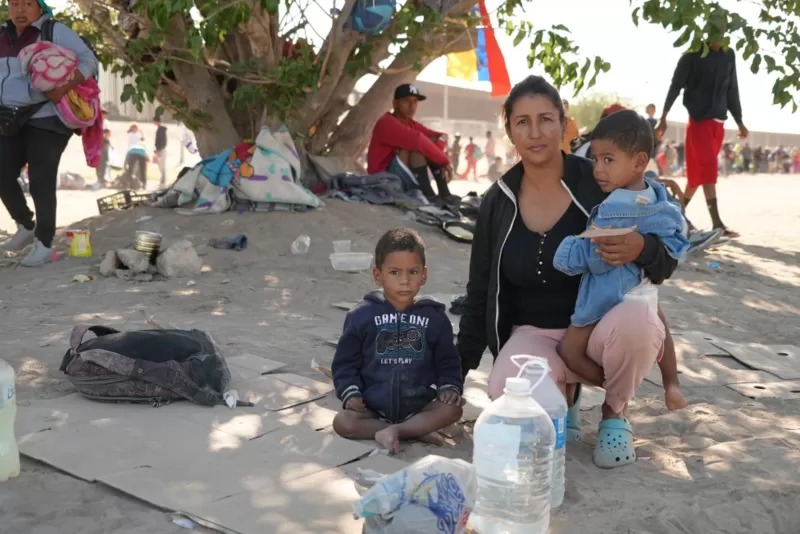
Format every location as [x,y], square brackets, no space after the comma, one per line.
[755,65]
[270,6]
[763,36]
[587,109]
[766,36]
[554,50]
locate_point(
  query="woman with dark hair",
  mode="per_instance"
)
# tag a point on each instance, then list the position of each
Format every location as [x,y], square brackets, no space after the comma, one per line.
[30,130]
[518,303]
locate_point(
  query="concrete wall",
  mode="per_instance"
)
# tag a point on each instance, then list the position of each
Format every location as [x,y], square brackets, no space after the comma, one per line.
[111,86]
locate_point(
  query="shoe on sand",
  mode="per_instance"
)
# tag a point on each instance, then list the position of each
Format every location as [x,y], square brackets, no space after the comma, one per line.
[702,239]
[20,240]
[614,447]
[38,256]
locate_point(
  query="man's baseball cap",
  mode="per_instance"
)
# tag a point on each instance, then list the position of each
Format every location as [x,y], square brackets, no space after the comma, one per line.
[610,110]
[408,89]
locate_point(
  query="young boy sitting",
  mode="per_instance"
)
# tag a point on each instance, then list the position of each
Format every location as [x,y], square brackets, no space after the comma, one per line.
[394,349]
[621,147]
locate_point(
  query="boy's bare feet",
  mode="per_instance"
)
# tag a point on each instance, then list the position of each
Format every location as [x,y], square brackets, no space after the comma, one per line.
[434,438]
[674,398]
[389,438]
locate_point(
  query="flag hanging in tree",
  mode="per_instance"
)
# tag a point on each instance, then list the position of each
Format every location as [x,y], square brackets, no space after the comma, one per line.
[485,62]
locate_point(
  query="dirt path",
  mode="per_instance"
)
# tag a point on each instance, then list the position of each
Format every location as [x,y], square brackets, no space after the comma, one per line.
[267,301]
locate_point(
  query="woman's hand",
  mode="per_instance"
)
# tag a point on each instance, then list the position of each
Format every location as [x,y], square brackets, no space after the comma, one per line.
[620,249]
[57,94]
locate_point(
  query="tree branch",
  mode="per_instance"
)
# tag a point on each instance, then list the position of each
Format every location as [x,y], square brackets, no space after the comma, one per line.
[349,138]
[259,31]
[339,44]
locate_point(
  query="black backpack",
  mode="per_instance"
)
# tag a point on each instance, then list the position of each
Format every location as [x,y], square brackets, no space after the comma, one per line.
[154,366]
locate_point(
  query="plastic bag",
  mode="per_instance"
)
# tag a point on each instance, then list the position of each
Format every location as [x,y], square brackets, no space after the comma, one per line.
[432,495]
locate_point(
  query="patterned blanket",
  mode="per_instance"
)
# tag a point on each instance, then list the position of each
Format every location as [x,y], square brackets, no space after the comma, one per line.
[265,172]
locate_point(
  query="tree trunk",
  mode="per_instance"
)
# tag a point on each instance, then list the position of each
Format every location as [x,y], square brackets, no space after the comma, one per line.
[203,93]
[352,135]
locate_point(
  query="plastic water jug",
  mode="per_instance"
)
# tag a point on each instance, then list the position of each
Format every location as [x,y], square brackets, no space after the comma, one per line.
[549,397]
[9,454]
[513,460]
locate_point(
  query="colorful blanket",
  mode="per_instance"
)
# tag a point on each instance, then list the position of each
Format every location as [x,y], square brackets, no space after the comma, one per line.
[267,171]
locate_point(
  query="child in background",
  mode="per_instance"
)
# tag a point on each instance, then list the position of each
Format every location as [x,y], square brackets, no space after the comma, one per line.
[394,349]
[621,147]
[105,161]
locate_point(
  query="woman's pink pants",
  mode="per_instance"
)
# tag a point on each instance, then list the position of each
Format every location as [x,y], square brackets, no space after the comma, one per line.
[625,343]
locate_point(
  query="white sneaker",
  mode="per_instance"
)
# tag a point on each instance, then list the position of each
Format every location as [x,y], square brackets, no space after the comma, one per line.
[38,256]
[20,240]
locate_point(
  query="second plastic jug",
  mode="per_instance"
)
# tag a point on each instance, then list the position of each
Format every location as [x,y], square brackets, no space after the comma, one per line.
[549,397]
[513,459]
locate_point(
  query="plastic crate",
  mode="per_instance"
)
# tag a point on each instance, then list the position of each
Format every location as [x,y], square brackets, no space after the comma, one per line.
[123,200]
[116,202]
[141,199]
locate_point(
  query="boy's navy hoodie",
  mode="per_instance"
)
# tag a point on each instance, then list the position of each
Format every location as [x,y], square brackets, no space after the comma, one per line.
[392,358]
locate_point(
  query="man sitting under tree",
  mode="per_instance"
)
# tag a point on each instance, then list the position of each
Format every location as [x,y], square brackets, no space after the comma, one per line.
[402,146]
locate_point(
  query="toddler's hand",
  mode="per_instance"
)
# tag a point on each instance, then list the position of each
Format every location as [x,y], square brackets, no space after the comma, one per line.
[449,396]
[674,399]
[356,404]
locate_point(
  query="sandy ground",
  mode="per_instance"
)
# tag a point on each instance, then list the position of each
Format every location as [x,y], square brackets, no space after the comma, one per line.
[725,464]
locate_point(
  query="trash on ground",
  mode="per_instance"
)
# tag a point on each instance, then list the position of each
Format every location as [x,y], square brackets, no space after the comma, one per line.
[237,242]
[184,522]
[301,244]
[432,495]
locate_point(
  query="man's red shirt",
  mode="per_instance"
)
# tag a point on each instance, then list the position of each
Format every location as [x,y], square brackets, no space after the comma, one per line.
[390,135]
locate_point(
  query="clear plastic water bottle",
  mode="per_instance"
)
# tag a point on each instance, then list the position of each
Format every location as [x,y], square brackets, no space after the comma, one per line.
[301,244]
[9,454]
[513,459]
[549,397]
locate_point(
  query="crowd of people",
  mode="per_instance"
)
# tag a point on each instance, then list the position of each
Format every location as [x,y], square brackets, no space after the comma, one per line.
[734,158]
[136,160]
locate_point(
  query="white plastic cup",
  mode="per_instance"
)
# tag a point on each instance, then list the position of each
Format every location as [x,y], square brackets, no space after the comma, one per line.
[301,244]
[341,247]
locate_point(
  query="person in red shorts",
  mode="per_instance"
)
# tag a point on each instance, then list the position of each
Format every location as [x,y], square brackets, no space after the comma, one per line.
[402,146]
[710,91]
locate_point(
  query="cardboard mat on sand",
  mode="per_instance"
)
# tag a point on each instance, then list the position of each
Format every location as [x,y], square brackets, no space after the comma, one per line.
[784,389]
[751,369]
[782,361]
[243,470]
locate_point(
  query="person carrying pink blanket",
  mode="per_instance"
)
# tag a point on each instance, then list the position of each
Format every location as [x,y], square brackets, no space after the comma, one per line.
[34,130]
